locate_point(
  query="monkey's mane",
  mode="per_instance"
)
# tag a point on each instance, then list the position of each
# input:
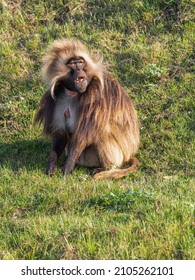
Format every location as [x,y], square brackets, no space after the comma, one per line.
[104,101]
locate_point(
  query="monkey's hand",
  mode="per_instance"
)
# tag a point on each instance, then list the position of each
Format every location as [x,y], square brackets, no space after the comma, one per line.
[52,164]
[67,169]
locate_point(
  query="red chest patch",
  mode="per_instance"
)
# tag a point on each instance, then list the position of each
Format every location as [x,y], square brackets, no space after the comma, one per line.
[67,113]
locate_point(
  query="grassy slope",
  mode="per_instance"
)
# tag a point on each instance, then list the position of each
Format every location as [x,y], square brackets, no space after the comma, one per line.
[147,215]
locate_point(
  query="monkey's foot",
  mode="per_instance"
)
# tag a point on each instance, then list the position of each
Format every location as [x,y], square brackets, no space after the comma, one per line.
[97,170]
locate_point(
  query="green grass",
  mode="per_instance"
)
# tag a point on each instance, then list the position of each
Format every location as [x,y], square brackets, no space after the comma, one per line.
[147,215]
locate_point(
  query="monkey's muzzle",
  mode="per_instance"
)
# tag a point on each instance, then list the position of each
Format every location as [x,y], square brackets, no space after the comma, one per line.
[81,84]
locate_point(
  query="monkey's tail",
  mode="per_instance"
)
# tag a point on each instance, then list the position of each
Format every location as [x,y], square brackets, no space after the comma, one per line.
[118,173]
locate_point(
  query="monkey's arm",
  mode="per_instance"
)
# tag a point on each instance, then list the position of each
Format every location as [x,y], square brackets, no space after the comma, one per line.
[77,145]
[57,148]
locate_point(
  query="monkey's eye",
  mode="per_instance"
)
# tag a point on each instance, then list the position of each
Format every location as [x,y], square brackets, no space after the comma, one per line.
[80,62]
[71,64]
[76,64]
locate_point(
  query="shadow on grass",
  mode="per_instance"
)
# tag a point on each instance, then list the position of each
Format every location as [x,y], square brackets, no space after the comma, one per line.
[30,154]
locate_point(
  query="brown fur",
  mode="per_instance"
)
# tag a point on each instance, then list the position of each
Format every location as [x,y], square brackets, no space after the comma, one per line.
[99,127]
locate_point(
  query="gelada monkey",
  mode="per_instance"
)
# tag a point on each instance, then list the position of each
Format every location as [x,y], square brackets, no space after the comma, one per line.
[87,113]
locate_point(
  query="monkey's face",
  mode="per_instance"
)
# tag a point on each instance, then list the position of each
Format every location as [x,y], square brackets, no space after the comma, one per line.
[77,78]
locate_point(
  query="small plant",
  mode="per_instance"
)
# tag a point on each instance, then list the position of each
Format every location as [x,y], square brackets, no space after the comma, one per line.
[119,201]
[153,72]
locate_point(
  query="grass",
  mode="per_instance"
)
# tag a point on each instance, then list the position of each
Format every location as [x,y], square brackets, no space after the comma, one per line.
[147,215]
